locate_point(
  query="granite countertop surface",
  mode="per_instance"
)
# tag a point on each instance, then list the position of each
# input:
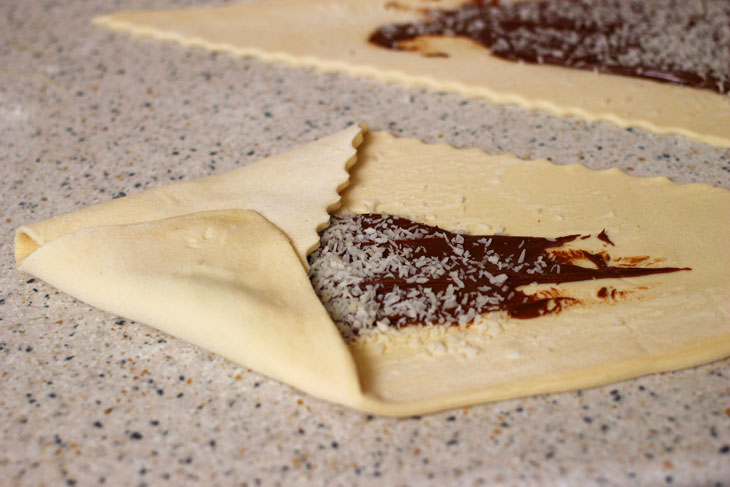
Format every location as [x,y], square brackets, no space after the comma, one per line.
[88,398]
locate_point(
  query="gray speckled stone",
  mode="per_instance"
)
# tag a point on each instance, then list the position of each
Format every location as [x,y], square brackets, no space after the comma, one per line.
[90,399]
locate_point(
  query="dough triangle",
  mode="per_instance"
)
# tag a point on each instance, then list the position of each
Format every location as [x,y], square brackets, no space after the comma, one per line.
[294,190]
[228,281]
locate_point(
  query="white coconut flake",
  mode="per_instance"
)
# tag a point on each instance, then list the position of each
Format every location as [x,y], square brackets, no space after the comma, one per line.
[373,275]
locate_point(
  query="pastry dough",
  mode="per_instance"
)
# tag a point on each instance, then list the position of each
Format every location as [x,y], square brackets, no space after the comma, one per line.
[332,35]
[680,319]
[213,278]
[218,262]
[297,203]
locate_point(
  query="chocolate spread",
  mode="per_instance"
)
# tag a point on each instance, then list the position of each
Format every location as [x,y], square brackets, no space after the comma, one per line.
[374,269]
[678,41]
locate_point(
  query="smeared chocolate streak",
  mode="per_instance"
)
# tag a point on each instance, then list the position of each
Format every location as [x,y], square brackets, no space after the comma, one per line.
[677,41]
[472,267]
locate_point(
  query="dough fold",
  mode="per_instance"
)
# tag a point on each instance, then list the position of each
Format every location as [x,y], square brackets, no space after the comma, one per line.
[228,281]
[295,190]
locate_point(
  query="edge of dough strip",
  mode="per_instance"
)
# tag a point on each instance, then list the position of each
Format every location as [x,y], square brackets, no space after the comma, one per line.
[469,70]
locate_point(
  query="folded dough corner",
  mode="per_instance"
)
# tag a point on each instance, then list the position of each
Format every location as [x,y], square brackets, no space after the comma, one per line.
[294,190]
[221,262]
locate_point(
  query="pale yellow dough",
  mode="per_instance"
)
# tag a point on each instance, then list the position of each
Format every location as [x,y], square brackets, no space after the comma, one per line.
[332,34]
[219,262]
[680,319]
[285,190]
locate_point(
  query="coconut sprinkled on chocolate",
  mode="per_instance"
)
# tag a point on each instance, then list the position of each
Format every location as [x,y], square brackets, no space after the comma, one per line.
[679,41]
[379,271]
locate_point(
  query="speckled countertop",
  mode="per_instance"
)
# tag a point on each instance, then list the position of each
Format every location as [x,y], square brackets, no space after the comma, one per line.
[87,398]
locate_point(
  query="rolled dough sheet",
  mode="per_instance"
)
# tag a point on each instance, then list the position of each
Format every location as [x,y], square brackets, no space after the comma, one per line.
[332,35]
[217,267]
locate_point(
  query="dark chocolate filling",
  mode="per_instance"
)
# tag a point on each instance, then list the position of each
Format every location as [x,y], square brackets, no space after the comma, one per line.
[677,41]
[377,269]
